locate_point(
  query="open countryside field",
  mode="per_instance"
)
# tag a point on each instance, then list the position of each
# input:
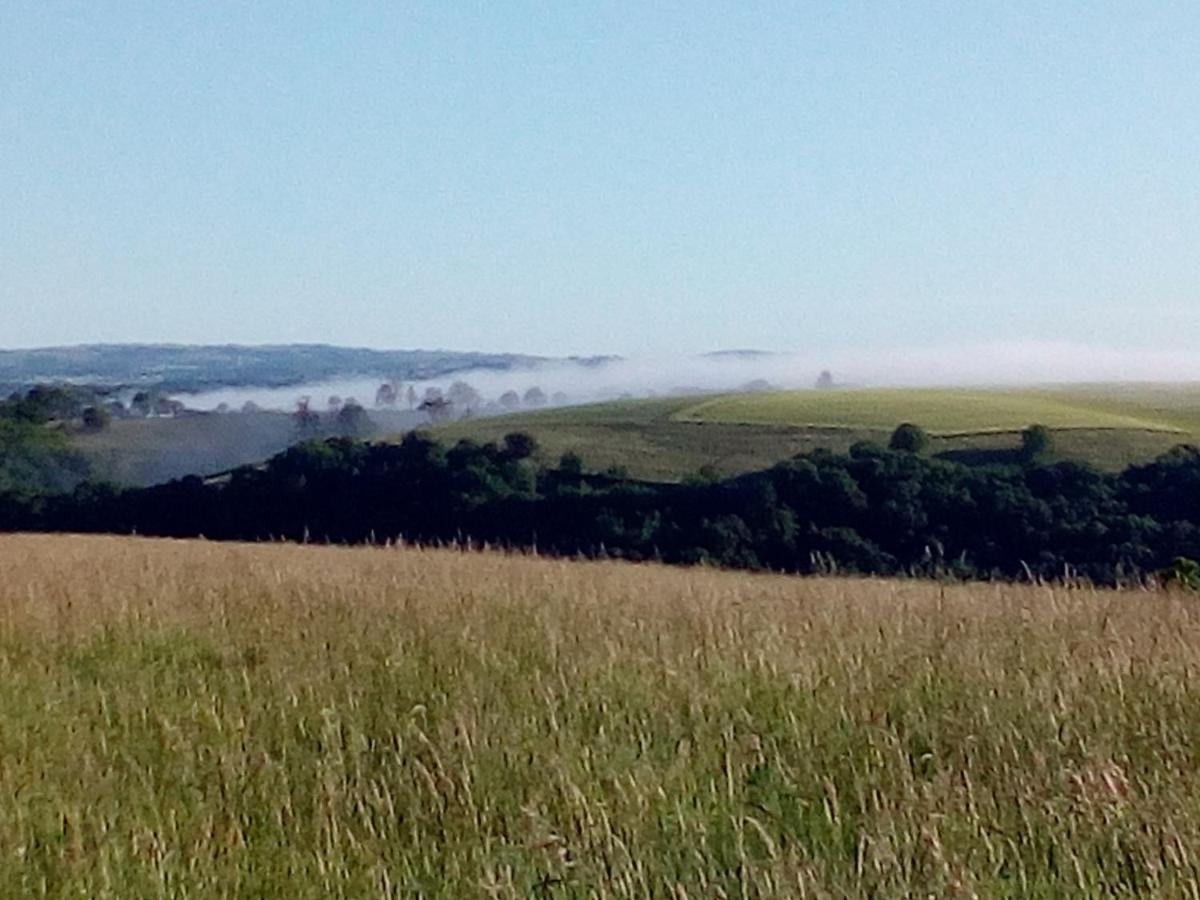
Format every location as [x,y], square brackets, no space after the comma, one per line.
[197,720]
[1110,426]
[939,411]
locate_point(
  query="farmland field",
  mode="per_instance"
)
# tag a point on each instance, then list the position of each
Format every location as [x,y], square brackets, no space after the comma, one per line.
[1109,426]
[938,411]
[199,720]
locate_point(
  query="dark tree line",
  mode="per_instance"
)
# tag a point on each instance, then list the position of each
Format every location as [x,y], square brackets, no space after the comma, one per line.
[874,510]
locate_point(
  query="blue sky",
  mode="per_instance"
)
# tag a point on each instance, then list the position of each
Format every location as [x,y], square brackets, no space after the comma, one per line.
[618,177]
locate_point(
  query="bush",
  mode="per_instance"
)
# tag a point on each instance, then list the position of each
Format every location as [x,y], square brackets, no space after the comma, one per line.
[1036,442]
[1184,573]
[96,418]
[520,445]
[909,438]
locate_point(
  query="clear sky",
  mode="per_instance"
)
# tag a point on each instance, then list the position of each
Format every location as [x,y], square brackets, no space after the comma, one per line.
[636,177]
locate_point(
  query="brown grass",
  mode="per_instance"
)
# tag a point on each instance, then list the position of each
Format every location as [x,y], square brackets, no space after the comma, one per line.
[184,719]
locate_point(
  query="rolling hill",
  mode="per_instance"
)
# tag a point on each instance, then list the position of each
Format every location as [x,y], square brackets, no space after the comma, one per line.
[1109,426]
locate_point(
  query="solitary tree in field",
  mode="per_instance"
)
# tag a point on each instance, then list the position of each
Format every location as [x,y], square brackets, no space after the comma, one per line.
[825,381]
[464,398]
[535,396]
[520,445]
[909,438]
[510,399]
[1036,442]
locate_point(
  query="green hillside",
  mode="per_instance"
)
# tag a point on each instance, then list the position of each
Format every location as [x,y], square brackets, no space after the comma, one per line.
[1108,426]
[938,411]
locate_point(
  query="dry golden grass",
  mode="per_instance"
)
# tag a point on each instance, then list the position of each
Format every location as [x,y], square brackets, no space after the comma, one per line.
[201,720]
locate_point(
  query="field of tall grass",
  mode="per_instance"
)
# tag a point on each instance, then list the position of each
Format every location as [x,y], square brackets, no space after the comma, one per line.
[202,720]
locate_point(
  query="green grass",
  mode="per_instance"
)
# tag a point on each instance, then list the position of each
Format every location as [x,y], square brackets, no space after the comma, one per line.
[940,412]
[1108,426]
[197,720]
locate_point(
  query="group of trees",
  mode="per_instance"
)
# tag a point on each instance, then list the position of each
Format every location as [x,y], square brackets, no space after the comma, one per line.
[460,400]
[345,418]
[873,510]
[35,454]
[1036,441]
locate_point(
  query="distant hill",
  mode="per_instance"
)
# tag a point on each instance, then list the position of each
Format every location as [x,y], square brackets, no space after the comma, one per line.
[1109,426]
[188,368]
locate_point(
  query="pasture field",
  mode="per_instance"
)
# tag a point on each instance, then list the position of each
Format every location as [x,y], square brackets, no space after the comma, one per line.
[1109,426]
[184,719]
[940,412]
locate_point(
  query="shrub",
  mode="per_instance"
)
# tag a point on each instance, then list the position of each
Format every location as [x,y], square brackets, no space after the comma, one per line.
[1184,573]
[1036,442]
[909,438]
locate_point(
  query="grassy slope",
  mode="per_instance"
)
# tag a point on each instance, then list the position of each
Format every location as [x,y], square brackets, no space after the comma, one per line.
[1107,426]
[188,719]
[150,451]
[938,411]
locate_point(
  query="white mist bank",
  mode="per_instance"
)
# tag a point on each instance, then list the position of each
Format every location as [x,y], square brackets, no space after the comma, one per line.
[999,364]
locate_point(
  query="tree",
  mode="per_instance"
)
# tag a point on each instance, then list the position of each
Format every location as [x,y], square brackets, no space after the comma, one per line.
[388,394]
[510,400]
[436,406]
[909,438]
[520,445]
[36,459]
[825,381]
[352,420]
[535,396]
[1036,442]
[142,404]
[96,418]
[308,421]
[464,398]
[411,396]
[571,463]
[335,404]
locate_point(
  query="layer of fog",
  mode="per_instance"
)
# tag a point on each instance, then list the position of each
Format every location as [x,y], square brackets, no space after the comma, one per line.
[565,382]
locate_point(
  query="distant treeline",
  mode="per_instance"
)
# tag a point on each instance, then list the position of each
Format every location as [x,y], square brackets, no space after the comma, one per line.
[182,368]
[874,510]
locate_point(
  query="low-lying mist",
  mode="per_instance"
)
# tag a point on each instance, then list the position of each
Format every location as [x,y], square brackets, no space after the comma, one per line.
[566,382]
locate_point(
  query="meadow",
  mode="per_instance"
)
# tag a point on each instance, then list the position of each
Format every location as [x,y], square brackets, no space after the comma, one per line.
[185,719]
[1108,426]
